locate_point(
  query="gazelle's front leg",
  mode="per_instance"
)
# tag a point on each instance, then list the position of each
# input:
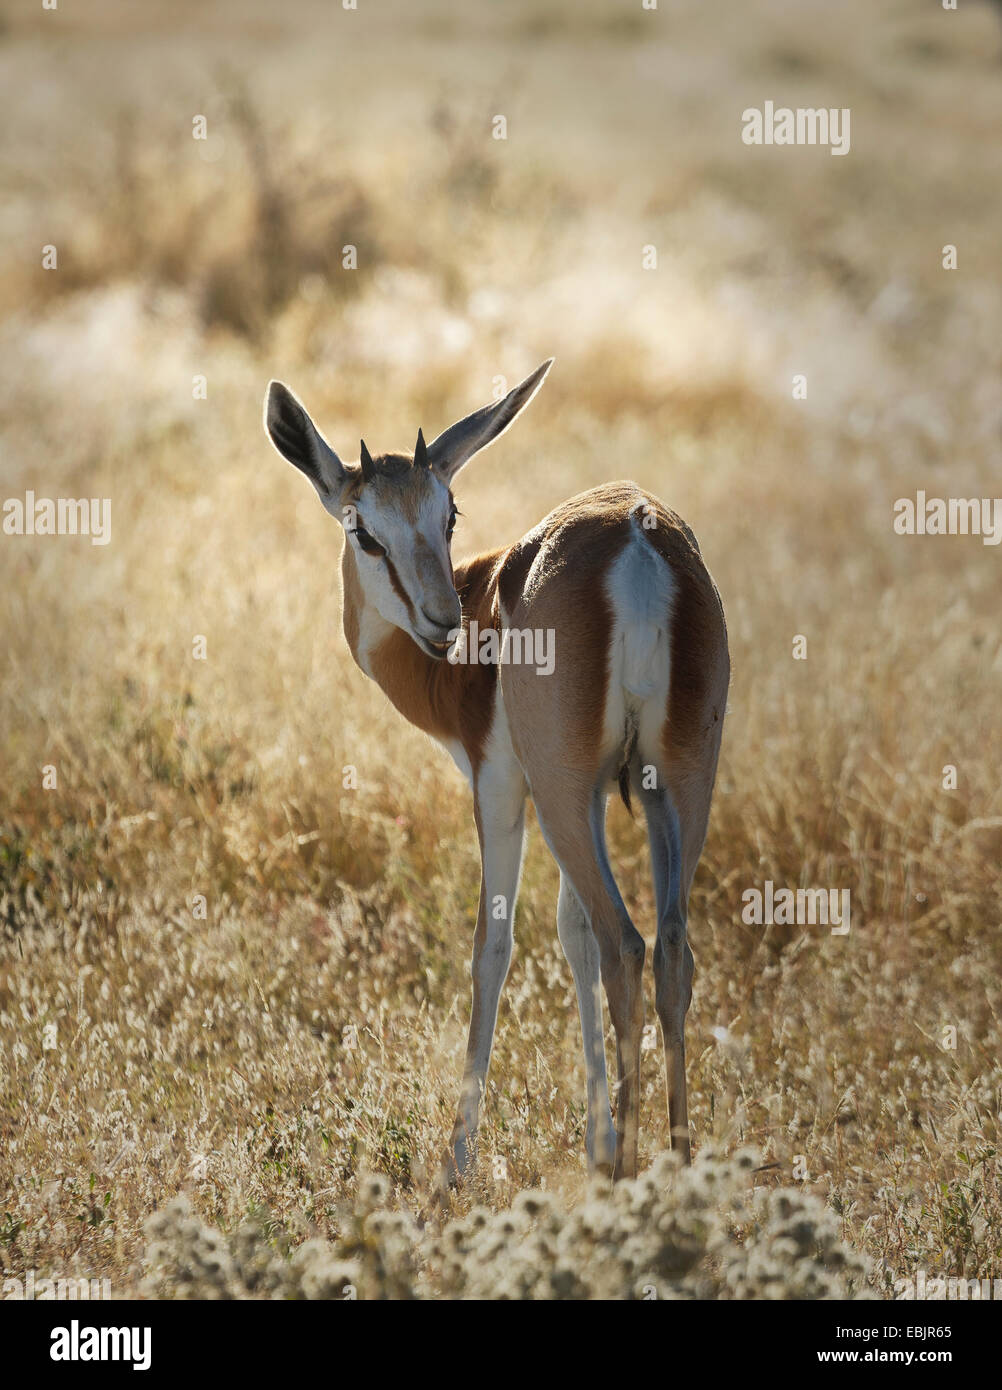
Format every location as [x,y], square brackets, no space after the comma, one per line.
[499,804]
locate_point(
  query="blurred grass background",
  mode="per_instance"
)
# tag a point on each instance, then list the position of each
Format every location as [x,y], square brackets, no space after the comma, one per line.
[211,1054]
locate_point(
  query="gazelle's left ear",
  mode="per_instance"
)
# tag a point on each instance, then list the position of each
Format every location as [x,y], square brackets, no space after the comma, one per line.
[457,445]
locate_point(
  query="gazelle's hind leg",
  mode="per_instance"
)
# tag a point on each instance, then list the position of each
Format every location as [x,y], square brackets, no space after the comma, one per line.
[673,962]
[572,818]
[581,949]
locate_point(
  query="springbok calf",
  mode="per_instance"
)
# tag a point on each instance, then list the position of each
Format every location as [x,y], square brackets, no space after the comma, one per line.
[635,695]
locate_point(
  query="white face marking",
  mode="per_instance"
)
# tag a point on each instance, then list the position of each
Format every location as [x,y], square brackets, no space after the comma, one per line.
[417,553]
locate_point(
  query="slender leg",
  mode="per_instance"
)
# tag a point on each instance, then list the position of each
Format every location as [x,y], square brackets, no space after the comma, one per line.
[499,798]
[673,962]
[581,950]
[573,825]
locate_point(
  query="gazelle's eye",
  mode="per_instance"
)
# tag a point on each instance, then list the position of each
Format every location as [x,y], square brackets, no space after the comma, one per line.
[368,543]
[452,522]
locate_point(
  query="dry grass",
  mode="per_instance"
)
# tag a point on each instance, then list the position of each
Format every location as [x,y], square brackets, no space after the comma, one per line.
[146,1050]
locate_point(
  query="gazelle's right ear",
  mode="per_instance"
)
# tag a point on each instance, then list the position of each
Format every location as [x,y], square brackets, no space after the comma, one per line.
[461,441]
[297,439]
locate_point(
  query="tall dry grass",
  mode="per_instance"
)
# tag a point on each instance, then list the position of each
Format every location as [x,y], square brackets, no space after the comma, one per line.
[311,1025]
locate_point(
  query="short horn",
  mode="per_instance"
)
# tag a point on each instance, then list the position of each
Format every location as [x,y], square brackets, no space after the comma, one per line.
[421,459]
[368,467]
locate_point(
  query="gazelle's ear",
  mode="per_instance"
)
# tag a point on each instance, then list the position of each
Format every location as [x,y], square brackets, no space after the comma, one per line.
[457,445]
[297,439]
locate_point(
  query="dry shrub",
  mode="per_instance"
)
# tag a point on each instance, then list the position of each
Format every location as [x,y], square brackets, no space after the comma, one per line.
[671,1234]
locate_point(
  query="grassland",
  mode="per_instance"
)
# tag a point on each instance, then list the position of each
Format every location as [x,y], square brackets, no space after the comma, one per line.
[309,1024]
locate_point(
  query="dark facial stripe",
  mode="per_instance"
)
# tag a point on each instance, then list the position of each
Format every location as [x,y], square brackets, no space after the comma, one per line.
[399,589]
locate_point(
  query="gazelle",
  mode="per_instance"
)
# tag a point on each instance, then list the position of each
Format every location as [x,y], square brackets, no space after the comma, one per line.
[636,696]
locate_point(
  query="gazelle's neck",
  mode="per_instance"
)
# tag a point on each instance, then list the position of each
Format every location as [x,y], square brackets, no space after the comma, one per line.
[451,702]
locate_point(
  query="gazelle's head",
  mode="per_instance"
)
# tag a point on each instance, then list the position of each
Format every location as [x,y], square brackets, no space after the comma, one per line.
[397,509]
